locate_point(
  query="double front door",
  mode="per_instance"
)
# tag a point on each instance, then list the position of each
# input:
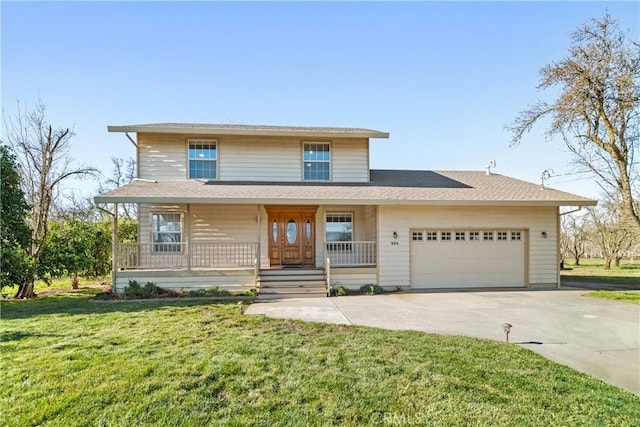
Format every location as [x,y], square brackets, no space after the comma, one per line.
[292,236]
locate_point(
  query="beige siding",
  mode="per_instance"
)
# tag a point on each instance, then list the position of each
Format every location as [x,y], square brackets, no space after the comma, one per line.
[353,278]
[394,255]
[370,213]
[162,156]
[260,159]
[246,158]
[224,223]
[350,160]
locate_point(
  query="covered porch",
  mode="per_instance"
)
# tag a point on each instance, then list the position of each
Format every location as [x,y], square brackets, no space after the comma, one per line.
[179,242]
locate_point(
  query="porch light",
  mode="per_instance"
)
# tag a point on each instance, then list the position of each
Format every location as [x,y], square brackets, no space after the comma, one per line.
[544,234]
[395,234]
[507,329]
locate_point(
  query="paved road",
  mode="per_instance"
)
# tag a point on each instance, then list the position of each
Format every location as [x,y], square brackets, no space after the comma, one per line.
[595,336]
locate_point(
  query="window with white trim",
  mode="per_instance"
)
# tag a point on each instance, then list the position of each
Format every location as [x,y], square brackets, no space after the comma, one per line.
[516,235]
[167,232]
[461,236]
[432,236]
[487,235]
[474,236]
[339,228]
[502,236]
[203,159]
[417,236]
[316,159]
[445,236]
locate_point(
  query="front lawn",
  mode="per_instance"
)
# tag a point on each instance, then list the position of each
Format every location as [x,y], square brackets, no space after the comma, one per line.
[627,296]
[69,362]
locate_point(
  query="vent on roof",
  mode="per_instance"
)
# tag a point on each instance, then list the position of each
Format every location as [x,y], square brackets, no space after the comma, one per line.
[492,164]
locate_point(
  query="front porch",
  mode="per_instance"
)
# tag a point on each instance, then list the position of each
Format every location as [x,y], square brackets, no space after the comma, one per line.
[195,246]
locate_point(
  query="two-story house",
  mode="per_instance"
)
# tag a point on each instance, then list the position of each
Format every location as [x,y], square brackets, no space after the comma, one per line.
[289,209]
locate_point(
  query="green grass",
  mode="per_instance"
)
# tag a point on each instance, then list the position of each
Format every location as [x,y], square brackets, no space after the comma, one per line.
[592,270]
[68,362]
[627,296]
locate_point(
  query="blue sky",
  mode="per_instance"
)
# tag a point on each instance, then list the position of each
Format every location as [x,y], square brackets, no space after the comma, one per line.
[443,78]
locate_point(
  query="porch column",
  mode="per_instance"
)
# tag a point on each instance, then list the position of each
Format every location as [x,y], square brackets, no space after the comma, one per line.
[114,247]
[258,223]
[187,234]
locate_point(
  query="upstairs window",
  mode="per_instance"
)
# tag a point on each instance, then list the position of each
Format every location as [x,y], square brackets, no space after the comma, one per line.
[167,232]
[317,159]
[203,158]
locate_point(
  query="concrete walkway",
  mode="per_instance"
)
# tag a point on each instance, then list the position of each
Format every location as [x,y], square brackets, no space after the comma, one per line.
[599,337]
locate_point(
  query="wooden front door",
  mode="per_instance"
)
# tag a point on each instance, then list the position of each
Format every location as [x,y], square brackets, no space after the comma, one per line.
[292,236]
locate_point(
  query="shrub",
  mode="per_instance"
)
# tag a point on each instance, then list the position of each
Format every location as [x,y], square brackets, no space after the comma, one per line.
[250,293]
[371,289]
[214,292]
[149,290]
[340,291]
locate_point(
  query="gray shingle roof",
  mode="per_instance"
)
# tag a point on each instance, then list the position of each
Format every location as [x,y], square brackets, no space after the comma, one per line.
[386,187]
[240,129]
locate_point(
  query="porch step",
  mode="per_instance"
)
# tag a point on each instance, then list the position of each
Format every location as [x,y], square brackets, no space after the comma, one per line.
[281,283]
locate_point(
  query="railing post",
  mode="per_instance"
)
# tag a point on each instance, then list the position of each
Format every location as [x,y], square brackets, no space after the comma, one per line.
[187,251]
[327,267]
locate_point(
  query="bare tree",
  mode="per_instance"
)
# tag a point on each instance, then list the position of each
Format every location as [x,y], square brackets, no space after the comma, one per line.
[123,173]
[575,236]
[597,112]
[610,232]
[44,160]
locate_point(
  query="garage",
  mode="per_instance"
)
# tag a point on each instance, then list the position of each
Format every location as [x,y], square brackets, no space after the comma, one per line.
[455,258]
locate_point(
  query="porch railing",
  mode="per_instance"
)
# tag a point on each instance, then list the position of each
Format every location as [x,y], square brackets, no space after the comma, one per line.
[200,255]
[343,254]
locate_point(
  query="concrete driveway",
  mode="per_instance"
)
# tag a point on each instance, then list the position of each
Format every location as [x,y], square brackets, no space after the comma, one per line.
[595,336]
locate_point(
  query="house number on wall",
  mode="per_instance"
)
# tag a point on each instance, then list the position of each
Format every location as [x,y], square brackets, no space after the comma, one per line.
[395,243]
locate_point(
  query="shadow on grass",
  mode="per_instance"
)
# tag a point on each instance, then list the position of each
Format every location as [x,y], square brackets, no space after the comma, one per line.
[77,303]
[625,282]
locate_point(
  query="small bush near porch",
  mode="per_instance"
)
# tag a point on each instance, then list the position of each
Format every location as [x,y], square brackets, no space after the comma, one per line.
[69,362]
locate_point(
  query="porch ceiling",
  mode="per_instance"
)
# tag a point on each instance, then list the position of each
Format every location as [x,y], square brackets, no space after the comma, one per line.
[386,188]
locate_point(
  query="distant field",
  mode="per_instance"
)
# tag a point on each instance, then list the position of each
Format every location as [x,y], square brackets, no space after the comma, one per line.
[592,270]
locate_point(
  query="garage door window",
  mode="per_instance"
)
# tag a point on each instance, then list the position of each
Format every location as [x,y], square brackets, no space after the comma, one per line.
[474,236]
[461,236]
[502,236]
[487,236]
[516,235]
[445,236]
[432,236]
[417,236]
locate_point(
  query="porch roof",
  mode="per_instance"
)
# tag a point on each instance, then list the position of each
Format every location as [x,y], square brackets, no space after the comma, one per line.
[387,187]
[253,130]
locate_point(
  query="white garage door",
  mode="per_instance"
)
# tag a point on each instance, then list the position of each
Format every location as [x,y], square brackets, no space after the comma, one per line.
[467,258]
